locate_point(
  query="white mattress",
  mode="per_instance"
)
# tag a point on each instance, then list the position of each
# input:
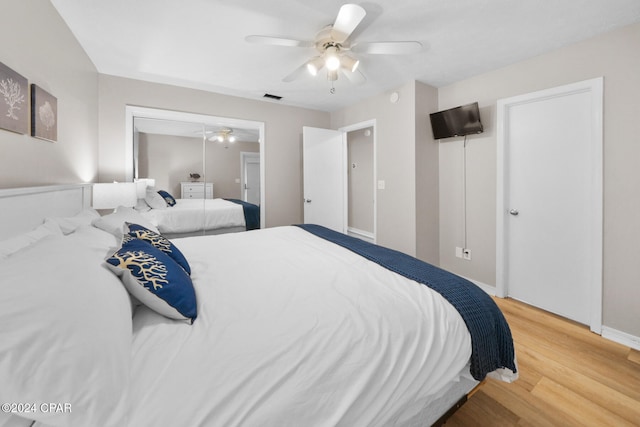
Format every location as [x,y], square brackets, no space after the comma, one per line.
[294,331]
[190,215]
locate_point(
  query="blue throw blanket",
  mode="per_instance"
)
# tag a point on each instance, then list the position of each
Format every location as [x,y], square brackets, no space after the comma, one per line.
[251,214]
[491,342]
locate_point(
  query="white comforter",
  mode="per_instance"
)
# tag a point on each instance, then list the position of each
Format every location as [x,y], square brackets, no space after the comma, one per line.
[189,215]
[293,331]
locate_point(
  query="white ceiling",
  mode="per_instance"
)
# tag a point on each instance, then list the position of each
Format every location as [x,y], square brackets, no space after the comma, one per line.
[201,43]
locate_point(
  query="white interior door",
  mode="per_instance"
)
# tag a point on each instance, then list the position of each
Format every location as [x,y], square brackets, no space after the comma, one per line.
[251,178]
[324,177]
[551,214]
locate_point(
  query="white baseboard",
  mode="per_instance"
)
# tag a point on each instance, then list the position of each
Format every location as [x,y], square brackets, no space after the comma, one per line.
[621,337]
[611,334]
[491,290]
[361,234]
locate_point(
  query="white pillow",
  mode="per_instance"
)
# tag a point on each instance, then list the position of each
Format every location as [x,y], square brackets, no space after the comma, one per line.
[65,333]
[70,224]
[154,199]
[142,206]
[94,238]
[114,222]
[13,245]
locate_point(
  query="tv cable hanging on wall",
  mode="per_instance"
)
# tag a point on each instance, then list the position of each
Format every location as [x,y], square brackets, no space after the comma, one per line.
[459,121]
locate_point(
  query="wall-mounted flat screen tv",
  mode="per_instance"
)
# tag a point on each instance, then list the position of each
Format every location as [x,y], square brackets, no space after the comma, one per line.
[458,121]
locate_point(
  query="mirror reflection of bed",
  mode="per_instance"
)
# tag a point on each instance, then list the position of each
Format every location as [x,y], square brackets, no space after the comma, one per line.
[211,170]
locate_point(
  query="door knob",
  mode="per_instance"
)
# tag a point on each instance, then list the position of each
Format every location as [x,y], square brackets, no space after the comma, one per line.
[514,212]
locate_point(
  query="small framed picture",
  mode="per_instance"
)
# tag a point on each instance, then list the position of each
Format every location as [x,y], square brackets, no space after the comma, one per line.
[14,101]
[44,114]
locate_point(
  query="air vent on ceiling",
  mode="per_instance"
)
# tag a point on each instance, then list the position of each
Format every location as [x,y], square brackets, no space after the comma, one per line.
[270,96]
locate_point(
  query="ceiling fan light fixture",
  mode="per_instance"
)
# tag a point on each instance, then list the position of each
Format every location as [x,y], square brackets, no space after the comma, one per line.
[224,135]
[349,63]
[314,65]
[333,42]
[331,59]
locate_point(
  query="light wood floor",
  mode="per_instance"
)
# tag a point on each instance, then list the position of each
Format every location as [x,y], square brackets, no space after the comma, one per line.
[568,377]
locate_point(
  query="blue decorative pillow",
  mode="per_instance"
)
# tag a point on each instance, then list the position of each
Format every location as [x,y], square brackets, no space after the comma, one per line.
[171,201]
[159,241]
[155,279]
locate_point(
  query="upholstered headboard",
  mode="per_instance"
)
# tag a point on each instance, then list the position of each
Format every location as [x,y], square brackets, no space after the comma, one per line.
[22,209]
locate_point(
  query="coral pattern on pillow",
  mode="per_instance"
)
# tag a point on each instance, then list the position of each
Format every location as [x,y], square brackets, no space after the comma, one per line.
[136,231]
[155,279]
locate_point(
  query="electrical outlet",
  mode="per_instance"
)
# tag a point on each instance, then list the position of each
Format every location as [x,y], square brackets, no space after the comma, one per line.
[458,252]
[466,254]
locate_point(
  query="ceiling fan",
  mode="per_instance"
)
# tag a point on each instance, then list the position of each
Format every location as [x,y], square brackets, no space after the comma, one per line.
[222,135]
[334,47]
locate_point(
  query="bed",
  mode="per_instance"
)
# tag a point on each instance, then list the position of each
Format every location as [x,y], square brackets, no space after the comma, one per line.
[321,330]
[189,217]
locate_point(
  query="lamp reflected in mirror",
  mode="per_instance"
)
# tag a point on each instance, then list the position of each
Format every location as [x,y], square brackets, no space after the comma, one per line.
[114,195]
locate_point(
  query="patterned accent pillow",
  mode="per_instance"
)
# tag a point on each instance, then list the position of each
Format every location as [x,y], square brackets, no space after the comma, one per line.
[154,199]
[171,201]
[137,231]
[155,279]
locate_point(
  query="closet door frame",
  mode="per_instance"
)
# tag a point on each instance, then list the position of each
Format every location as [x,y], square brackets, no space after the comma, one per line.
[131,112]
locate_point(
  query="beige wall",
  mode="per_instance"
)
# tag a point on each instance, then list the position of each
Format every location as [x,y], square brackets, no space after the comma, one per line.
[170,160]
[395,140]
[283,134]
[480,202]
[616,57]
[38,45]
[407,160]
[427,178]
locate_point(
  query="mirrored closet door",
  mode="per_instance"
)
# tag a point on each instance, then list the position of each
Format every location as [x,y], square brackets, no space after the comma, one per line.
[208,164]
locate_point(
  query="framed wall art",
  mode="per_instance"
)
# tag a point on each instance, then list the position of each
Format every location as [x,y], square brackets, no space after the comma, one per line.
[14,101]
[44,114]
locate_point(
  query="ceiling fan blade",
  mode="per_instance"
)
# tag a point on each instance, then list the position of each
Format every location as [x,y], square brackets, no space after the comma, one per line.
[349,16]
[278,41]
[388,48]
[356,77]
[296,74]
